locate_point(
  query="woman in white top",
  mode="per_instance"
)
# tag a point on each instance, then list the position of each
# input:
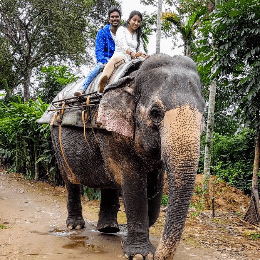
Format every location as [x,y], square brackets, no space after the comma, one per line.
[128,45]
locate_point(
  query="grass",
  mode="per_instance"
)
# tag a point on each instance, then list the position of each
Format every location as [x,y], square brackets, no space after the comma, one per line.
[2,226]
[255,236]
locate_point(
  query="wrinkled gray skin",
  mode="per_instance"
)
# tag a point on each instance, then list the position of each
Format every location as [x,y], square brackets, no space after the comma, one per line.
[166,106]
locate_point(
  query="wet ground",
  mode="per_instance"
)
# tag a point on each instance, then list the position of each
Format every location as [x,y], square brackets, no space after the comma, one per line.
[32,226]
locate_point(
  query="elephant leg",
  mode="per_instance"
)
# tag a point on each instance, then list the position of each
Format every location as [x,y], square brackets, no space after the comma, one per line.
[155,191]
[75,219]
[135,199]
[109,207]
[154,205]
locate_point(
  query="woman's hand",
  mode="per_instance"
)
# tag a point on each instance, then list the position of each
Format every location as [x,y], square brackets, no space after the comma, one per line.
[132,55]
[138,54]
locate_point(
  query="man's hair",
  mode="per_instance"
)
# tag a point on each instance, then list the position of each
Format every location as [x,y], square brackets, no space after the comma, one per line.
[114,9]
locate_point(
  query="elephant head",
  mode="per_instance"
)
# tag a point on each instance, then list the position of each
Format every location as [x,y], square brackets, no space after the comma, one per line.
[160,109]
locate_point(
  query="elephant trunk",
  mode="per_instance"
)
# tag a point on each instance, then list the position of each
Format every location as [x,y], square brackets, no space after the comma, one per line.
[180,142]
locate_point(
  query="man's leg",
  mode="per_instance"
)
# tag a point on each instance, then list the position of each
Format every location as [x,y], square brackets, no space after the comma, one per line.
[92,75]
[89,79]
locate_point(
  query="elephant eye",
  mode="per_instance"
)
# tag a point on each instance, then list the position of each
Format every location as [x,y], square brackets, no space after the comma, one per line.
[156,114]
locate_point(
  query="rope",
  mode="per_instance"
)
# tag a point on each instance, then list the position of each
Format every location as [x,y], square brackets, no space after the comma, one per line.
[73,178]
[84,125]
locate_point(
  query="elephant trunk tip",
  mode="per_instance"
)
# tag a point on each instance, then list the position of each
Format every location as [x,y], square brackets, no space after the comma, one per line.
[166,248]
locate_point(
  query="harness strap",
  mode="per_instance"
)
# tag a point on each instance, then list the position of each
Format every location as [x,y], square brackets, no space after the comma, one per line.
[84,117]
[53,118]
[71,176]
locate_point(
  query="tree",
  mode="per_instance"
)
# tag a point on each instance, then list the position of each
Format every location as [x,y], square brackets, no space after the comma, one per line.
[41,32]
[52,81]
[234,61]
[209,136]
[186,22]
[159,24]
[37,34]
[9,78]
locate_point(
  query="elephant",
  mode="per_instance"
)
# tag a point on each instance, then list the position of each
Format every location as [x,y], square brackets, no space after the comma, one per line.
[151,121]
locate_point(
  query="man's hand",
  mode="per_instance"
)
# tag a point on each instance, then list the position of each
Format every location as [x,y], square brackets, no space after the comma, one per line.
[144,56]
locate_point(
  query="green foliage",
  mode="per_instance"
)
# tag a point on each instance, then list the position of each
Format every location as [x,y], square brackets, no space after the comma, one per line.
[149,20]
[54,79]
[185,20]
[232,158]
[22,140]
[199,191]
[255,236]
[24,144]
[164,200]
[2,226]
[8,77]
[228,51]
[198,206]
[91,193]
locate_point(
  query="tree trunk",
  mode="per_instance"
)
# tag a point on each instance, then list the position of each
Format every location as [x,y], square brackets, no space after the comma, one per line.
[256,167]
[27,81]
[186,48]
[252,214]
[16,154]
[26,163]
[209,141]
[36,166]
[159,25]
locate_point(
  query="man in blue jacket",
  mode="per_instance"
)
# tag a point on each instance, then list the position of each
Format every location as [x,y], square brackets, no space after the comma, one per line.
[104,47]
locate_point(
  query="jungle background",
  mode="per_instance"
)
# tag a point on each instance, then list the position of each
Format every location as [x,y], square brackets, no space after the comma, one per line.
[42,43]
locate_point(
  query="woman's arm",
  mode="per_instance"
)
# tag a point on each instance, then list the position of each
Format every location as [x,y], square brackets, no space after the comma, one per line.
[141,51]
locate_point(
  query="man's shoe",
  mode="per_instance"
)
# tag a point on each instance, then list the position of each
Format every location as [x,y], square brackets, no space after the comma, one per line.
[103,82]
[79,93]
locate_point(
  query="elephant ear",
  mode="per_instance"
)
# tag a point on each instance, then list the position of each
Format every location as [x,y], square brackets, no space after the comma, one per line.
[117,106]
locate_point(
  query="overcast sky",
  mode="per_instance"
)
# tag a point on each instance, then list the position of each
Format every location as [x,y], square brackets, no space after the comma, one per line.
[166,44]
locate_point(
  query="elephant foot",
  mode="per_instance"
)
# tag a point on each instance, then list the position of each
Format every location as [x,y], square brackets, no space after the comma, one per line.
[141,257]
[75,223]
[108,227]
[142,251]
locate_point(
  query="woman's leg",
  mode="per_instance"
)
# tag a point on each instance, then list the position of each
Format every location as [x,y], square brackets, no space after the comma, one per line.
[108,70]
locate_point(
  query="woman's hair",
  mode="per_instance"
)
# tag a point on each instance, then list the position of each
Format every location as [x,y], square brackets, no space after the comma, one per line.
[139,29]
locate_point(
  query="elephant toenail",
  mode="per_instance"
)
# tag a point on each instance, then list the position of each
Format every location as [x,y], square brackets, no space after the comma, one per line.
[78,227]
[70,226]
[150,257]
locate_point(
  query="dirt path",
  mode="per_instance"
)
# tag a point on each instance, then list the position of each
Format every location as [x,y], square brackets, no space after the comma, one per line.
[32,226]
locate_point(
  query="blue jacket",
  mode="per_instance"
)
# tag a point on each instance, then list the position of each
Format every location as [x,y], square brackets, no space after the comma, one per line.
[105,45]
